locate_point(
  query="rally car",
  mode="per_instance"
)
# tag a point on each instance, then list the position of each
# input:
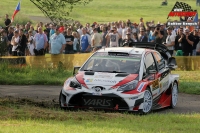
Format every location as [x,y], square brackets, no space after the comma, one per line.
[134,78]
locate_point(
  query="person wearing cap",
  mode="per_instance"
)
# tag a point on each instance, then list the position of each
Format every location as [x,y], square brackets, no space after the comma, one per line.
[57,43]
[128,42]
[142,36]
[187,42]
[170,41]
[96,40]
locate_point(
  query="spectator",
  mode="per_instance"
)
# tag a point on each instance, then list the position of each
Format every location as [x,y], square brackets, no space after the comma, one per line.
[196,41]
[10,35]
[142,36]
[170,41]
[76,45]
[69,42]
[178,45]
[113,36]
[30,45]
[22,43]
[124,31]
[158,35]
[40,42]
[96,40]
[85,41]
[4,43]
[15,42]
[187,41]
[135,37]
[52,30]
[104,40]
[7,22]
[57,43]
[151,37]
[128,42]
[33,31]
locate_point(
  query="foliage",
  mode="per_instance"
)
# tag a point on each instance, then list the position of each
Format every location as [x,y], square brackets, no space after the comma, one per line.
[56,9]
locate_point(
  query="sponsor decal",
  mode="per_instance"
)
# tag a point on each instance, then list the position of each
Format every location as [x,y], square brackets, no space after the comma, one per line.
[96,93]
[105,80]
[155,84]
[133,98]
[139,89]
[103,75]
[88,80]
[97,102]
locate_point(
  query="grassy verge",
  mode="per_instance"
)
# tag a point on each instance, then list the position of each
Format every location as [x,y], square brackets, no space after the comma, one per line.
[15,117]
[189,80]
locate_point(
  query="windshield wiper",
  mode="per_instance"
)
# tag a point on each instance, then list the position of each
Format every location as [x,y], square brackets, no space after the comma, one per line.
[88,70]
[111,71]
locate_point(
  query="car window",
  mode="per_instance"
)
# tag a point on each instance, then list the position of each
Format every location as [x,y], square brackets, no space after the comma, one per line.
[160,60]
[108,63]
[149,62]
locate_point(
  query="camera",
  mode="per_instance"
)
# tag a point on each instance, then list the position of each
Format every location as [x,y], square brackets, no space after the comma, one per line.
[158,28]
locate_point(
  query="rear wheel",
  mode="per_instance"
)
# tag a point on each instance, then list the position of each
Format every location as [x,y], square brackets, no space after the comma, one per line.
[148,102]
[174,95]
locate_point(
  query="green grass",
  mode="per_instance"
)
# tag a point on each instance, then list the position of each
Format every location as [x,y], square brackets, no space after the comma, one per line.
[23,117]
[104,10]
[32,76]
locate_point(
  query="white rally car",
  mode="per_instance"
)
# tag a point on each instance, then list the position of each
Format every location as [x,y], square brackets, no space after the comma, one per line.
[125,78]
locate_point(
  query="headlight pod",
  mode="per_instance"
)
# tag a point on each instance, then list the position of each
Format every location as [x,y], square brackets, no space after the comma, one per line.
[129,86]
[75,84]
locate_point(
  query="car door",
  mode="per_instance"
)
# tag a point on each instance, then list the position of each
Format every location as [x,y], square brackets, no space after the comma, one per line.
[152,78]
[163,72]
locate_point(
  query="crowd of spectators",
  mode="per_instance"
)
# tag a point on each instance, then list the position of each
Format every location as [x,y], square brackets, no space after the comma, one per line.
[27,40]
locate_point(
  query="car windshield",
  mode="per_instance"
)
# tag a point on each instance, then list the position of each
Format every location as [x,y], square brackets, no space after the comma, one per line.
[104,62]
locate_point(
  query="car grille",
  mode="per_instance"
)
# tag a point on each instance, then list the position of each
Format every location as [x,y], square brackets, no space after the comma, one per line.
[108,101]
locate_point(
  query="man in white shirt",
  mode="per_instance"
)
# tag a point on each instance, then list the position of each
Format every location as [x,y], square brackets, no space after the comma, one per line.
[96,40]
[170,40]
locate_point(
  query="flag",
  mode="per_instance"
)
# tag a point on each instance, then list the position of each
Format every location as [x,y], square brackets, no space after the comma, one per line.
[181,5]
[17,9]
[195,19]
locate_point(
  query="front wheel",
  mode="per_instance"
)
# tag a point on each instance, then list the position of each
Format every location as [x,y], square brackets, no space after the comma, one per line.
[174,98]
[148,102]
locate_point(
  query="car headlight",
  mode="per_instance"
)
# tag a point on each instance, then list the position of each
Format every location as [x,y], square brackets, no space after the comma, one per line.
[129,86]
[75,84]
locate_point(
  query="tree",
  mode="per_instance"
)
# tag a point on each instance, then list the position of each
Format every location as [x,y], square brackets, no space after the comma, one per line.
[57,10]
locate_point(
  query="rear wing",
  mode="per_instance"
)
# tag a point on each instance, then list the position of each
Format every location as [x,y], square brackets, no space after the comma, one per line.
[162,49]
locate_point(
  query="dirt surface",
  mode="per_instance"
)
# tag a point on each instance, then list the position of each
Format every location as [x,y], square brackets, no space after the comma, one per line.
[186,103]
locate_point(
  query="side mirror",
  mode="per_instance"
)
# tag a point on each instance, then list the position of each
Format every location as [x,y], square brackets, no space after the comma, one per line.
[76,68]
[172,63]
[152,72]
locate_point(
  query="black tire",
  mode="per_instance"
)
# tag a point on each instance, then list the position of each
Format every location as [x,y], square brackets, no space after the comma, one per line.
[174,93]
[148,102]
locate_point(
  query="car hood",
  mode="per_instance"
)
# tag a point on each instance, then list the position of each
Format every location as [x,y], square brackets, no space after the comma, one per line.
[103,79]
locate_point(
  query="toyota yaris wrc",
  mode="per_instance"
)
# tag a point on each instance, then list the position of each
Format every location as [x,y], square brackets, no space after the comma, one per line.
[135,78]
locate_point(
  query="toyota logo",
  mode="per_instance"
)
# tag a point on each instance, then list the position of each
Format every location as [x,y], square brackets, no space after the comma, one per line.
[97,89]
